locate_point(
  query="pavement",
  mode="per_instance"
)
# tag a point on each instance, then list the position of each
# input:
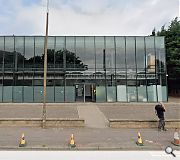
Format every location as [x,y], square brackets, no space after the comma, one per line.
[96,135]
[85,139]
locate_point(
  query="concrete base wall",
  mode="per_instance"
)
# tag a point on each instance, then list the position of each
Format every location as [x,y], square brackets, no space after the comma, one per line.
[35,122]
[118,123]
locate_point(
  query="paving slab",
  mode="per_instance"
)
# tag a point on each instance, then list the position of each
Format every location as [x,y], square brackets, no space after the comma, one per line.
[138,111]
[93,117]
[35,111]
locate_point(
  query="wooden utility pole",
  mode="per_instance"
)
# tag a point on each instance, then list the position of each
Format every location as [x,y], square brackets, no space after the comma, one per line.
[45,69]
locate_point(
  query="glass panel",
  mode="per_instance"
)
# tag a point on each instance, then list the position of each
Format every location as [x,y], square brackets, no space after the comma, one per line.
[121,93]
[17,93]
[110,52]
[50,94]
[7,93]
[80,54]
[111,93]
[130,54]
[120,53]
[1,88]
[39,53]
[70,53]
[19,53]
[28,94]
[132,94]
[9,54]
[50,53]
[160,54]
[150,54]
[90,53]
[142,96]
[29,53]
[38,94]
[99,44]
[59,94]
[164,93]
[140,54]
[70,94]
[60,52]
[152,93]
[100,94]
[1,51]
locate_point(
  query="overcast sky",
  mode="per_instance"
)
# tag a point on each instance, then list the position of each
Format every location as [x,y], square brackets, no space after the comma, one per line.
[86,17]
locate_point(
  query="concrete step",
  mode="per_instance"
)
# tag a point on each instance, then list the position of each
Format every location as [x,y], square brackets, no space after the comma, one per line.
[126,123]
[37,122]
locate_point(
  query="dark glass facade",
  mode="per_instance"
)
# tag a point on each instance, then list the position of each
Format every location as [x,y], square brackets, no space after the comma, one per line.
[83,69]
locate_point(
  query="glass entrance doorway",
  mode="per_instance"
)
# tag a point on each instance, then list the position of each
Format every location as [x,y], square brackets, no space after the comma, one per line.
[85,93]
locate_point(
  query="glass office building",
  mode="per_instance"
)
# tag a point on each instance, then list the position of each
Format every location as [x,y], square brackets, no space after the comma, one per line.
[83,69]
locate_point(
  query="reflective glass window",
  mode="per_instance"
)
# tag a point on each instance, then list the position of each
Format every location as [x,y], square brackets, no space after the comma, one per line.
[130,54]
[99,45]
[1,51]
[51,53]
[110,52]
[120,53]
[80,54]
[90,53]
[39,53]
[70,53]
[60,52]
[9,53]
[29,53]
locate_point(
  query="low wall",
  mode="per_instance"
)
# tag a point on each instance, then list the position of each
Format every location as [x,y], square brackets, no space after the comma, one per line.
[123,123]
[37,122]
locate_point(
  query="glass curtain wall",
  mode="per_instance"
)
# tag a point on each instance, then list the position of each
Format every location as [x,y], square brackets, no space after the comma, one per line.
[83,69]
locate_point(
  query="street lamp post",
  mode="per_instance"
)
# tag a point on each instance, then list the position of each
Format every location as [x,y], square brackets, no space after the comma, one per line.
[45,69]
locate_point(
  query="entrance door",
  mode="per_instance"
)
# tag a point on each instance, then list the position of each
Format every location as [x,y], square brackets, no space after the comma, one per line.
[85,93]
[80,92]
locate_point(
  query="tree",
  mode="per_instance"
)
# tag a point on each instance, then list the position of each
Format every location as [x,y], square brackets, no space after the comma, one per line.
[172,45]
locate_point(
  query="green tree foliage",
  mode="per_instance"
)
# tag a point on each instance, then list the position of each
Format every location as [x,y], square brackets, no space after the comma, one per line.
[172,44]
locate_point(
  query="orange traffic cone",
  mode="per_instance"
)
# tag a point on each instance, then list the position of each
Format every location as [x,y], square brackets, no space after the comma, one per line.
[22,142]
[139,141]
[72,143]
[176,140]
